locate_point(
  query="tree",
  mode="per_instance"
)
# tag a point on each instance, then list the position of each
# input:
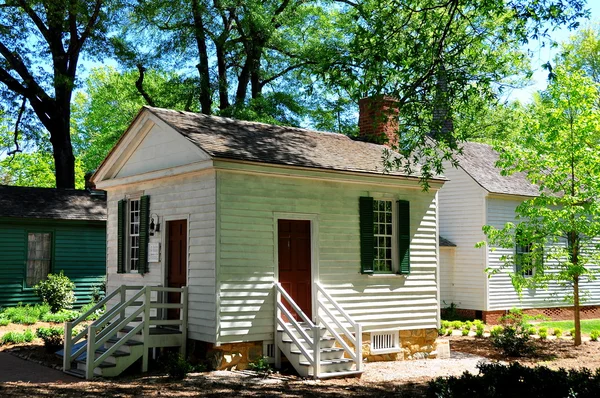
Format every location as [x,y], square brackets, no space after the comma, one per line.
[557,231]
[41,42]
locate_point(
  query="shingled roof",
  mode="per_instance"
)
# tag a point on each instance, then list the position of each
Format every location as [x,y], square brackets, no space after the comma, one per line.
[52,203]
[479,161]
[258,142]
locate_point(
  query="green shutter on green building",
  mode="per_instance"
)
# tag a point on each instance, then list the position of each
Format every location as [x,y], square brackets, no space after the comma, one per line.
[144,220]
[121,236]
[367,243]
[404,236]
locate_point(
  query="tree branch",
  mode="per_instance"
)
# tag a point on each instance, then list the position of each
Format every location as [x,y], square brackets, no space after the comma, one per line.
[139,84]
[285,71]
[16,133]
[36,20]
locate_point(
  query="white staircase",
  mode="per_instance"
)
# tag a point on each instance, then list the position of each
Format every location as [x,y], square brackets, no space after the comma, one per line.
[125,333]
[317,349]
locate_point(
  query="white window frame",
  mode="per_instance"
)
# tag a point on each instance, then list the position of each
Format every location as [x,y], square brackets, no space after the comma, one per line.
[130,223]
[529,272]
[394,236]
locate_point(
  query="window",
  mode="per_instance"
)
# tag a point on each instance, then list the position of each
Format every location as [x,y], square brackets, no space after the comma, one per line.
[384,236]
[526,258]
[133,235]
[39,257]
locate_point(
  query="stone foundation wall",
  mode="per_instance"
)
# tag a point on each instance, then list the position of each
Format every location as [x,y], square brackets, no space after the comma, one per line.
[234,356]
[414,344]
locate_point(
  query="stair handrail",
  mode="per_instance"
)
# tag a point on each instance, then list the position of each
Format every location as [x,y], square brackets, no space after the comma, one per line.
[70,341]
[314,341]
[356,339]
[95,341]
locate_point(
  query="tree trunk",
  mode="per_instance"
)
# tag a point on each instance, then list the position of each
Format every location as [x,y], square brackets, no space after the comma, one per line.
[64,161]
[576,311]
[203,65]
[222,74]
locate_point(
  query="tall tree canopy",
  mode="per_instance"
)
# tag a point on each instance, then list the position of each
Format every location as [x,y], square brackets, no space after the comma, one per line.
[288,61]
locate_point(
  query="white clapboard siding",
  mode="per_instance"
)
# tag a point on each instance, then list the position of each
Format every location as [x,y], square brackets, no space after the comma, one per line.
[246,263]
[462,214]
[191,197]
[502,294]
[447,256]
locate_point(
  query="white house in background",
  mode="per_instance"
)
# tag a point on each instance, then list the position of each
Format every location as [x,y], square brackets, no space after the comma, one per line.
[477,195]
[235,209]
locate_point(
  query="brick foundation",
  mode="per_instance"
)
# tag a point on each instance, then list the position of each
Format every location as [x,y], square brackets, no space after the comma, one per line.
[414,344]
[554,313]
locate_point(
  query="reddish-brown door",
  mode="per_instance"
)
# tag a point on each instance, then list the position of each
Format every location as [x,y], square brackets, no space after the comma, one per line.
[294,262]
[176,261]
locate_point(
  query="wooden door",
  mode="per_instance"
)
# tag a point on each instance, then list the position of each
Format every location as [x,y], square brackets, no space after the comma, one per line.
[294,249]
[176,261]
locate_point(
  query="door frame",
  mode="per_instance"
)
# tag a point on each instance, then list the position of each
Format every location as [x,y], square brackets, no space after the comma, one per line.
[165,243]
[314,249]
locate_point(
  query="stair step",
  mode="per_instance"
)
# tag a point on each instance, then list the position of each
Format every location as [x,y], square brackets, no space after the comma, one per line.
[113,340]
[349,373]
[323,350]
[115,354]
[287,339]
[329,362]
[102,365]
[152,330]
[76,372]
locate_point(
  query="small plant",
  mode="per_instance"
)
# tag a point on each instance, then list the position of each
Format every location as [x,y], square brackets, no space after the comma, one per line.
[465,331]
[261,365]
[442,331]
[468,324]
[543,332]
[4,321]
[99,291]
[514,340]
[52,336]
[446,324]
[61,316]
[94,315]
[557,332]
[478,322]
[572,332]
[26,315]
[594,335]
[457,325]
[57,291]
[531,331]
[17,338]
[176,366]
[479,328]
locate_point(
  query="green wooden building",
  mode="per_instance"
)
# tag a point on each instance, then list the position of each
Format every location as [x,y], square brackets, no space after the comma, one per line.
[46,230]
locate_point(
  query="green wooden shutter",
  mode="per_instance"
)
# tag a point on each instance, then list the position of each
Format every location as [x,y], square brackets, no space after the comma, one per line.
[144,229]
[367,243]
[121,236]
[404,236]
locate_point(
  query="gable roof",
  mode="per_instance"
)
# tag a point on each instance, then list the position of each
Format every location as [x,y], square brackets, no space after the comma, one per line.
[258,142]
[52,203]
[479,161]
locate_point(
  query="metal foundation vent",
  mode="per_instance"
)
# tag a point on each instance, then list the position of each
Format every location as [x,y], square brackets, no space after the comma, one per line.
[269,350]
[384,342]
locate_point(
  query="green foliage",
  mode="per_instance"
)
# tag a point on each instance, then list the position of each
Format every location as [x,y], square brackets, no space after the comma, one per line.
[60,316]
[515,380]
[176,366]
[4,321]
[594,335]
[572,332]
[465,331]
[557,332]
[52,337]
[514,340]
[479,329]
[442,331]
[495,331]
[57,290]
[451,313]
[27,315]
[94,315]
[17,337]
[261,365]
[543,332]
[457,325]
[587,325]
[531,331]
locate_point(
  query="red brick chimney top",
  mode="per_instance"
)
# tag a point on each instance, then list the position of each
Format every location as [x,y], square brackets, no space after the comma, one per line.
[378,120]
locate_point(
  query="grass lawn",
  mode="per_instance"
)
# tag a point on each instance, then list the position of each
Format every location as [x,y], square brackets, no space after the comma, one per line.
[587,325]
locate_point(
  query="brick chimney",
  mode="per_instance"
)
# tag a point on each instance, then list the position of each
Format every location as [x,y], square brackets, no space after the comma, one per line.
[378,120]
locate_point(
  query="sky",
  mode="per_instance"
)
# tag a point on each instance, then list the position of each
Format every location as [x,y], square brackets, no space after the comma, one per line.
[545,54]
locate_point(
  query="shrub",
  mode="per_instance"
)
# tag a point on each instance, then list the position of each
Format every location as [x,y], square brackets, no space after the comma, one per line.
[94,315]
[468,324]
[495,331]
[543,332]
[261,365]
[514,340]
[457,325]
[479,328]
[57,291]
[442,331]
[465,331]
[17,338]
[572,332]
[446,324]
[176,366]
[594,335]
[52,336]
[61,316]
[530,331]
[557,332]
[4,321]
[515,380]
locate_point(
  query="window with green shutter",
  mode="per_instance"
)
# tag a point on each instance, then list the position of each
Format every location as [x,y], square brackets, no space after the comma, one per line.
[132,236]
[384,236]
